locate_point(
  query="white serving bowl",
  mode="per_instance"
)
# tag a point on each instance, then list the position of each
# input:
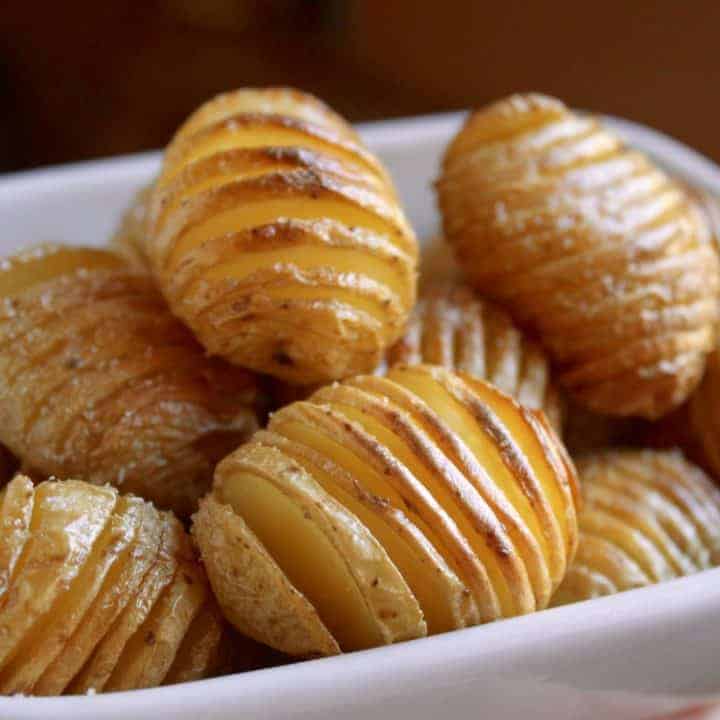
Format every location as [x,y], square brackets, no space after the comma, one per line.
[632,655]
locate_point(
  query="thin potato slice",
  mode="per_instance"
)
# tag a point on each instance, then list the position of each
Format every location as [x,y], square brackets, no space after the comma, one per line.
[100,666]
[149,654]
[68,517]
[203,652]
[18,500]
[255,595]
[119,588]
[360,595]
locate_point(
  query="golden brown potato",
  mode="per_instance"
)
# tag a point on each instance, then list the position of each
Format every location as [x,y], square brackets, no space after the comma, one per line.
[98,591]
[648,516]
[129,238]
[590,246]
[278,238]
[382,509]
[99,381]
[452,327]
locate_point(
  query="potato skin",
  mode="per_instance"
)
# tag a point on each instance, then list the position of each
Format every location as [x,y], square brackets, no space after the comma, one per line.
[98,380]
[452,327]
[83,563]
[490,499]
[278,238]
[588,245]
[648,516]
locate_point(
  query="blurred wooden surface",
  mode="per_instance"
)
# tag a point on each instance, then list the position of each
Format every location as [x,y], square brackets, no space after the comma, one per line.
[83,79]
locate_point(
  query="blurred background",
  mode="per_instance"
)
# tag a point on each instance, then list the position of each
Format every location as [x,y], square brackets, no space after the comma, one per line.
[81,79]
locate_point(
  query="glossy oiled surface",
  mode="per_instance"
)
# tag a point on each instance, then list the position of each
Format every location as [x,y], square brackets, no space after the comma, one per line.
[648,517]
[609,657]
[416,503]
[453,327]
[98,380]
[278,238]
[590,245]
[98,591]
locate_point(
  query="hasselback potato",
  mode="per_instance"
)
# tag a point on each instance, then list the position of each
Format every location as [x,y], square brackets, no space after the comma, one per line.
[452,327]
[590,246]
[648,516]
[382,509]
[277,237]
[99,381]
[99,591]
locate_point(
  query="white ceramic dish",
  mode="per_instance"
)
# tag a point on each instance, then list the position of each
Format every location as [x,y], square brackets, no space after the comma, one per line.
[629,656]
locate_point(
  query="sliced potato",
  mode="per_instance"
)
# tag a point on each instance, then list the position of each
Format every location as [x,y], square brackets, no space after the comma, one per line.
[120,587]
[253,592]
[649,516]
[101,591]
[50,634]
[278,238]
[67,520]
[18,499]
[466,493]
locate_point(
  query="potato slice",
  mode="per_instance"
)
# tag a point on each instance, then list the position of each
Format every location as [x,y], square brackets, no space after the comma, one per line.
[254,593]
[18,499]
[649,516]
[202,653]
[100,666]
[68,517]
[49,635]
[150,652]
[359,594]
[119,588]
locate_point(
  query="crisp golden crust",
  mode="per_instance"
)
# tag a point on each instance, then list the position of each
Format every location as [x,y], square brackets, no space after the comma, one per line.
[649,516]
[79,561]
[128,240]
[453,327]
[98,380]
[277,237]
[590,246]
[423,491]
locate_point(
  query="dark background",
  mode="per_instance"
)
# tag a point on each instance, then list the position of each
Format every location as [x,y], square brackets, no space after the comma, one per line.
[83,79]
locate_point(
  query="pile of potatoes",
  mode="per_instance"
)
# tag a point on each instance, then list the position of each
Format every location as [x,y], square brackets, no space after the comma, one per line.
[270,441]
